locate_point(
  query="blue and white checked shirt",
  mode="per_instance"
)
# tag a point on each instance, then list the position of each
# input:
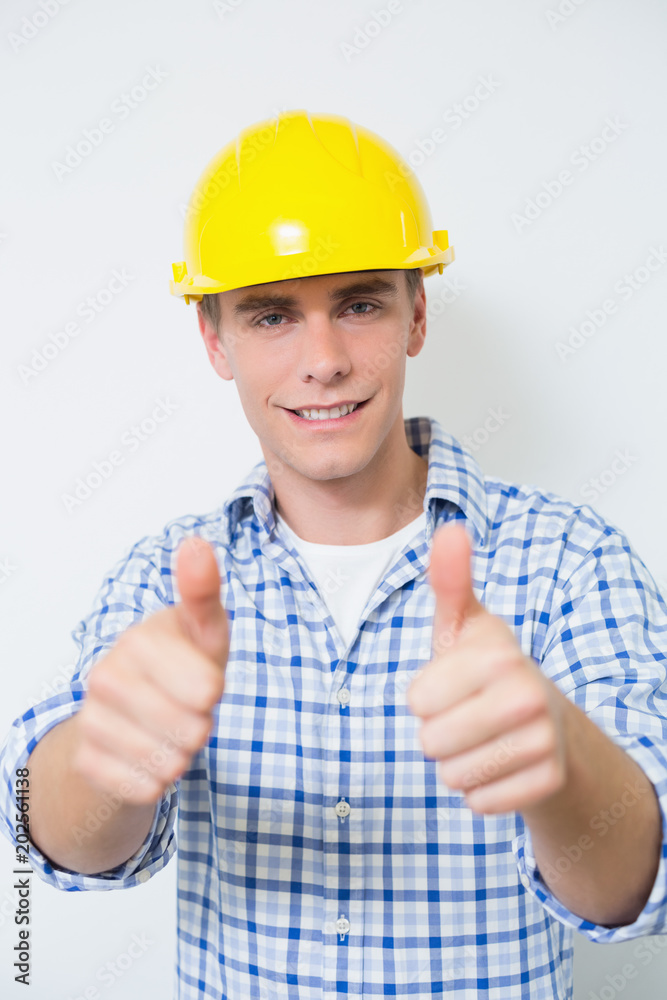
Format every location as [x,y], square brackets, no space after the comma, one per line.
[411,894]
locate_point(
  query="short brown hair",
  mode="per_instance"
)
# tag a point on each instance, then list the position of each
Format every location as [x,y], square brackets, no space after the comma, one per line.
[210,304]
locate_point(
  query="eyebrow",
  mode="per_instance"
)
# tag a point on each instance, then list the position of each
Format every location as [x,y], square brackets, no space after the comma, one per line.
[368,286]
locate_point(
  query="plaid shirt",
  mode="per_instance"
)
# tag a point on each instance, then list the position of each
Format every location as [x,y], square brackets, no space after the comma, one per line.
[319,853]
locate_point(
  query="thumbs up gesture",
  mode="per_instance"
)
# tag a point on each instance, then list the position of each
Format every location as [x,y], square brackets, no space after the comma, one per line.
[150,700]
[490,717]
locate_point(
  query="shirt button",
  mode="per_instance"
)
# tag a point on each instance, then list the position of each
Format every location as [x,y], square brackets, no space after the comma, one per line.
[525,881]
[343,696]
[342,926]
[342,808]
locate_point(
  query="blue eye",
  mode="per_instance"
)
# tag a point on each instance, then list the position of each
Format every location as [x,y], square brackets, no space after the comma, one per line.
[271,316]
[370,308]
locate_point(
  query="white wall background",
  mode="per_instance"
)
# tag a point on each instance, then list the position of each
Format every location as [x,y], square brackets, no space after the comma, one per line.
[515,292]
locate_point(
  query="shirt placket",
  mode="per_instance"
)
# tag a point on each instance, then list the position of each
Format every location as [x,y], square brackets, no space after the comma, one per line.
[343,842]
[343,750]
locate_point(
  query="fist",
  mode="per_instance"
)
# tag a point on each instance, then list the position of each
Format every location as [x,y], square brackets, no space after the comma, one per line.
[490,717]
[150,700]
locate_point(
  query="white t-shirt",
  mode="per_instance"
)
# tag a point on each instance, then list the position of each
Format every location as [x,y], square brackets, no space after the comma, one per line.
[346,575]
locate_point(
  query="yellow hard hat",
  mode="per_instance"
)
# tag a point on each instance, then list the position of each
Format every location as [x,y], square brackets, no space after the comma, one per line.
[302,194]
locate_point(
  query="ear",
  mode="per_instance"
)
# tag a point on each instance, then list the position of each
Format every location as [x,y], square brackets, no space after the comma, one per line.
[214,348]
[417,332]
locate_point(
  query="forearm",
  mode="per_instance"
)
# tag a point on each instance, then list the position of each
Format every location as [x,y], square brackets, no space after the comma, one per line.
[597,842]
[63,803]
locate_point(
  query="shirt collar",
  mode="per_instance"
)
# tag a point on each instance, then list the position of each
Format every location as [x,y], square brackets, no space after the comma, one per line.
[454,477]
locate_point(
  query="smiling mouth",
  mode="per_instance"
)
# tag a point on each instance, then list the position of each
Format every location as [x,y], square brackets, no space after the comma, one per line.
[333,413]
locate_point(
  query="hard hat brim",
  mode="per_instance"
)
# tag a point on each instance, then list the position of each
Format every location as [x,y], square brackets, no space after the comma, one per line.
[285,269]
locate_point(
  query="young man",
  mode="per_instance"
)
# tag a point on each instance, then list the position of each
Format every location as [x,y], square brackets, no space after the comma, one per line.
[410,715]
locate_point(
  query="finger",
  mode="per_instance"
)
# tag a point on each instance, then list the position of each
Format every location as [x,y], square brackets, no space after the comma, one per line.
[518,791]
[498,758]
[119,736]
[496,709]
[444,682]
[450,577]
[200,610]
[107,773]
[155,677]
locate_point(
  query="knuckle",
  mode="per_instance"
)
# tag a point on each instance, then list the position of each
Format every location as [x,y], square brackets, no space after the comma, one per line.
[82,764]
[501,659]
[529,700]
[125,642]
[87,720]
[145,642]
[136,642]
[91,725]
[178,763]
[554,776]
[194,733]
[471,779]
[546,739]
[162,758]
[146,793]
[200,732]
[211,686]
[100,679]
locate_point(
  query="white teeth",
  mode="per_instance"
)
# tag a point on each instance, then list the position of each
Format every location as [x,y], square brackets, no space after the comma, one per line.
[337,411]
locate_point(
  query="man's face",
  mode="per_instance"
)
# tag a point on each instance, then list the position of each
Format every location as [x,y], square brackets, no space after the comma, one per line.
[317,342]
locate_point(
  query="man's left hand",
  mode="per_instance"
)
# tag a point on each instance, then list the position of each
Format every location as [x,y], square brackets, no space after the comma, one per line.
[495,723]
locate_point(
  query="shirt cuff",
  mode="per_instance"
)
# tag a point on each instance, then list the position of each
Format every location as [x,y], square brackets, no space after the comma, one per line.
[653,918]
[157,848]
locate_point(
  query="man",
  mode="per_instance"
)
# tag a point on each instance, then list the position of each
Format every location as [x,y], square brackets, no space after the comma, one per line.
[410,756]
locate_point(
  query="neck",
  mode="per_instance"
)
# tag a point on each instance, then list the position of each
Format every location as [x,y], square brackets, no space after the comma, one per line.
[370,505]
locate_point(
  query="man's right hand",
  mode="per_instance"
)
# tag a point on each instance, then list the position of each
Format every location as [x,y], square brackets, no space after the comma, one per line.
[150,700]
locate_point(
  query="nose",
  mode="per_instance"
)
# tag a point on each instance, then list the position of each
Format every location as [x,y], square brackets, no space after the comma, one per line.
[323,353]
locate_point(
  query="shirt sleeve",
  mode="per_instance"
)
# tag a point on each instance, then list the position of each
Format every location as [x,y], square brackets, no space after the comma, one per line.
[131,591]
[606,649]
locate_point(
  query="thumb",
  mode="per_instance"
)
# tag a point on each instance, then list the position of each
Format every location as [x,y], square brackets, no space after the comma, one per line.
[451,579]
[200,612]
